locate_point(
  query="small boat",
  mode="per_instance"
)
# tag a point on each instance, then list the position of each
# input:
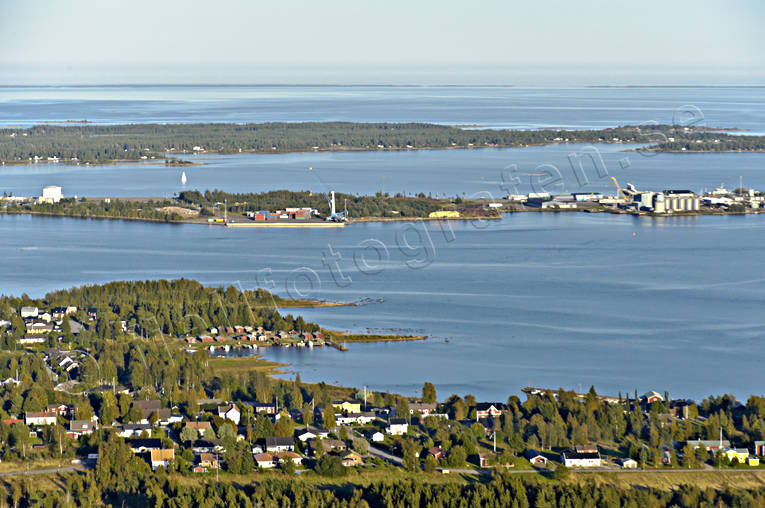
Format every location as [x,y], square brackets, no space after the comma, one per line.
[183,178]
[446,339]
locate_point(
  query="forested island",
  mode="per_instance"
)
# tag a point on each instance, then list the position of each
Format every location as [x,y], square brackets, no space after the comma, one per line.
[136,142]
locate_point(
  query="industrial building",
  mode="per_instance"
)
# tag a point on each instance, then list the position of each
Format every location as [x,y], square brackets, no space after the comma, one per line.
[50,194]
[680,201]
[668,201]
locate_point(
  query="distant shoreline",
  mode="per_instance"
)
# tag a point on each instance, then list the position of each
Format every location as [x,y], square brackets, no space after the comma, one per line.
[164,143]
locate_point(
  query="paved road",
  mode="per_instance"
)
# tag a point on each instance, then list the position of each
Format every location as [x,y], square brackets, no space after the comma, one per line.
[377,452]
[601,470]
[51,470]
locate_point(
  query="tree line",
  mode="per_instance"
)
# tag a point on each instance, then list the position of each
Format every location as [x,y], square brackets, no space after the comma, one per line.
[123,479]
[379,205]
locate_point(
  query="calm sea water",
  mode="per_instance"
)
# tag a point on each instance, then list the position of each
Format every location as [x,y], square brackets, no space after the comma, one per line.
[548,299]
[474,172]
[488,106]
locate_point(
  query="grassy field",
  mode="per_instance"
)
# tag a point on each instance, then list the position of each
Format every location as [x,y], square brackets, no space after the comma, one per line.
[669,479]
[256,362]
[361,337]
[13,466]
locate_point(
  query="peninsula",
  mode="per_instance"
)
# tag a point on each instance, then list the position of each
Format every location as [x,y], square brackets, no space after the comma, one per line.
[106,393]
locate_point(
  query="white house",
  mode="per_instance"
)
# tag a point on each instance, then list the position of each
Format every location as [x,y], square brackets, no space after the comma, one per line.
[265,460]
[79,428]
[38,419]
[378,437]
[628,463]
[397,427]
[134,429]
[581,457]
[162,457]
[230,412]
[280,444]
[306,435]
[27,312]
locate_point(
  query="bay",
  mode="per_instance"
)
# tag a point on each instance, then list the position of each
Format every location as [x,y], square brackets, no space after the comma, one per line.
[547,299]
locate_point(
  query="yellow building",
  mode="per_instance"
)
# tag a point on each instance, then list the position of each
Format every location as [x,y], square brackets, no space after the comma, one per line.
[741,454]
[753,461]
[444,214]
[349,406]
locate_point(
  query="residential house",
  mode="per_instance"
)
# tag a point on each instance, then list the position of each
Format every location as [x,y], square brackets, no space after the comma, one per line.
[59,409]
[652,396]
[144,445]
[204,429]
[348,406]
[265,460]
[759,448]
[201,446]
[583,457]
[29,312]
[280,444]
[129,430]
[79,428]
[535,458]
[147,407]
[40,418]
[162,457]
[198,469]
[58,313]
[230,412]
[739,454]
[328,445]
[285,456]
[481,460]
[422,408]
[628,463]
[351,459]
[680,408]
[753,461]
[397,427]
[487,410]
[312,432]
[33,339]
[436,452]
[262,407]
[378,437]
[208,461]
[305,435]
[36,327]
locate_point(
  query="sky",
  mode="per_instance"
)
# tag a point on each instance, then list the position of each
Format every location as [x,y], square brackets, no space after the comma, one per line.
[394,42]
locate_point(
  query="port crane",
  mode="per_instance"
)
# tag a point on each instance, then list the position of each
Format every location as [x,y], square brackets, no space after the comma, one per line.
[334,215]
[624,194]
